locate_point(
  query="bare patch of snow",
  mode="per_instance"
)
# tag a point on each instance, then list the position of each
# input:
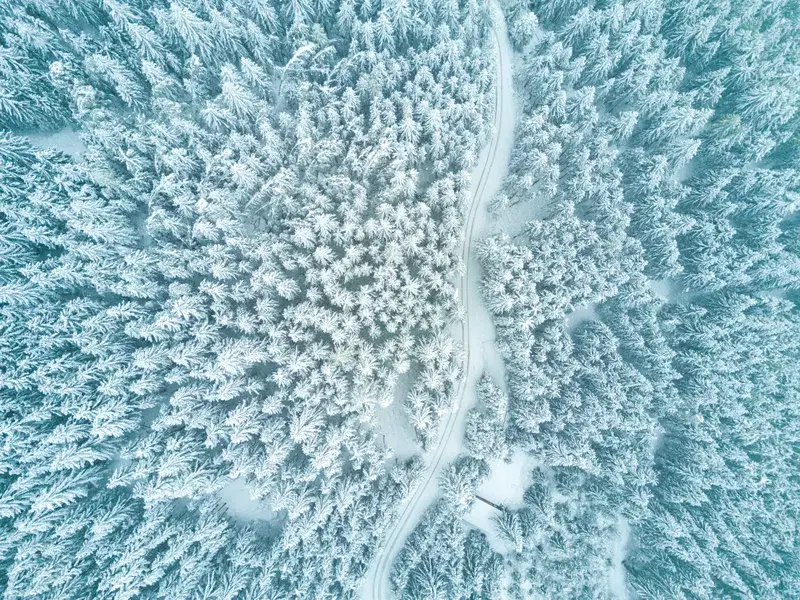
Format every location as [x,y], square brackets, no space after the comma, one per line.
[493,361]
[779,293]
[393,424]
[579,315]
[685,172]
[505,487]
[480,517]
[512,219]
[508,480]
[65,140]
[663,287]
[616,575]
[242,506]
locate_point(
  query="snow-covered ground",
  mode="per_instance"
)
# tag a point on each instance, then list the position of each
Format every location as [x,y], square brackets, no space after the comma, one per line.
[66,140]
[508,480]
[616,575]
[393,423]
[505,486]
[242,507]
[663,287]
[512,219]
[476,331]
[481,517]
[578,316]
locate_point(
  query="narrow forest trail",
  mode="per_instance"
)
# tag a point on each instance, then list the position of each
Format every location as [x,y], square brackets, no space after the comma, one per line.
[476,329]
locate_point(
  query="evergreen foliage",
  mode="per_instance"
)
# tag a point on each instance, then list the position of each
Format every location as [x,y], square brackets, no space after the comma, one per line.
[484,437]
[442,559]
[659,137]
[254,246]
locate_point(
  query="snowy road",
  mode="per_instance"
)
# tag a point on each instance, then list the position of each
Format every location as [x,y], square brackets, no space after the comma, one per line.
[476,329]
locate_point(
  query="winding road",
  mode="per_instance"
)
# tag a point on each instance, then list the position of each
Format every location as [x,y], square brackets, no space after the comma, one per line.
[476,328]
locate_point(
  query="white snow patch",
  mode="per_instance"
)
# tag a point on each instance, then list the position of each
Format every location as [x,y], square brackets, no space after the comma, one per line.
[683,173]
[492,360]
[579,315]
[779,293]
[616,575]
[512,219]
[508,480]
[480,517]
[504,487]
[663,287]
[66,140]
[393,424]
[241,505]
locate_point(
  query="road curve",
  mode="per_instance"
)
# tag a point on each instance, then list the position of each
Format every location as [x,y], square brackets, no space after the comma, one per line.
[377,585]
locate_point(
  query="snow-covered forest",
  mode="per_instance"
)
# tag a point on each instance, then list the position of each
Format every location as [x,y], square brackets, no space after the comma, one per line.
[254,244]
[229,235]
[647,307]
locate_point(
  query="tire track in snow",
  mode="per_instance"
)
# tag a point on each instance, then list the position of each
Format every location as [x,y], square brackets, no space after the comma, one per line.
[379,587]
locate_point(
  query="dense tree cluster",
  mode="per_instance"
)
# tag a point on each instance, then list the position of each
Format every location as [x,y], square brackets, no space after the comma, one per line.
[560,541]
[254,246]
[661,136]
[484,437]
[443,559]
[724,514]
